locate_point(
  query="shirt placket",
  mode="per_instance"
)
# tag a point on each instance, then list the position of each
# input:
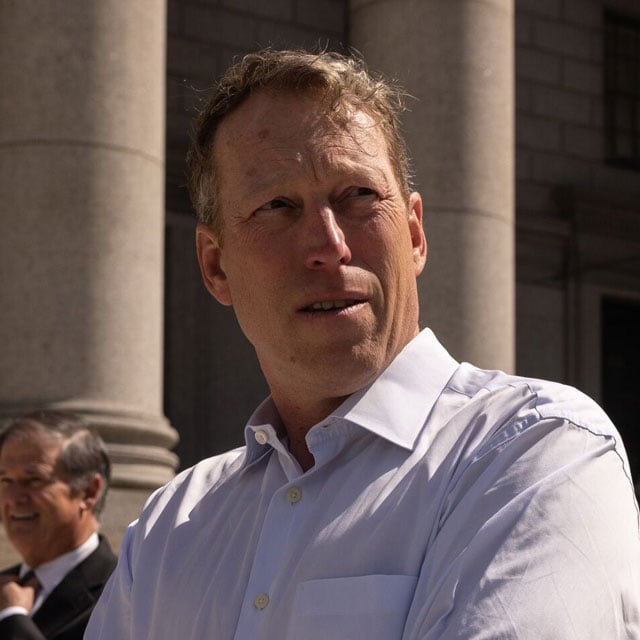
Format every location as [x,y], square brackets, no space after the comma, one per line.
[287,506]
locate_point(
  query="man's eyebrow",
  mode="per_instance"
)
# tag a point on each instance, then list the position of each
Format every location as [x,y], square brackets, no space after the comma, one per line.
[255,188]
[36,471]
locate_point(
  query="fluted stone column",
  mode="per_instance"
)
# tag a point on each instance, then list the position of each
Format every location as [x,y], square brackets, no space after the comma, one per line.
[456,59]
[82,225]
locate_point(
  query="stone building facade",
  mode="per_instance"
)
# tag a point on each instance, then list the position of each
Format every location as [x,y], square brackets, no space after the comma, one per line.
[578,200]
[525,150]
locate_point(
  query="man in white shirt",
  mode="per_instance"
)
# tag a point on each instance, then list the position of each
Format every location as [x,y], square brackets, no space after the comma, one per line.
[54,474]
[385,491]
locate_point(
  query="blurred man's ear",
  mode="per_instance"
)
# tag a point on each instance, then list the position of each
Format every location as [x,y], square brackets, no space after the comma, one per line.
[418,238]
[208,250]
[91,492]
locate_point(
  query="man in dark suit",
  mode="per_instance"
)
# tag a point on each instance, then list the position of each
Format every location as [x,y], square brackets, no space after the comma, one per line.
[54,475]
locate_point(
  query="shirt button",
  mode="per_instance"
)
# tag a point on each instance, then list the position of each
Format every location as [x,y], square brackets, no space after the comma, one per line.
[294,494]
[261,437]
[261,601]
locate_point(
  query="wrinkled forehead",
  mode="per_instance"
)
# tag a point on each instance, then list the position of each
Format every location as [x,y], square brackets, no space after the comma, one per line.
[28,442]
[295,121]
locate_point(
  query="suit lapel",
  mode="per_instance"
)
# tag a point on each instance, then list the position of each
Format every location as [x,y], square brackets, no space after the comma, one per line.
[76,593]
[68,600]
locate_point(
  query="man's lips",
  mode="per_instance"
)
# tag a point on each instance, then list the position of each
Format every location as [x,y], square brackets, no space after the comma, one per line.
[23,517]
[331,305]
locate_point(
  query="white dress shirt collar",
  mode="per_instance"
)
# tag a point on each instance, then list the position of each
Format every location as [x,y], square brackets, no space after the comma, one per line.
[394,406]
[50,574]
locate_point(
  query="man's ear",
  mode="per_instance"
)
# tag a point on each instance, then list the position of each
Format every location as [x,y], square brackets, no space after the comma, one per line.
[214,278]
[91,493]
[418,238]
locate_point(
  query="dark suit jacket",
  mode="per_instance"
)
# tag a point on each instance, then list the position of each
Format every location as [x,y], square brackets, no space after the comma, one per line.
[65,612]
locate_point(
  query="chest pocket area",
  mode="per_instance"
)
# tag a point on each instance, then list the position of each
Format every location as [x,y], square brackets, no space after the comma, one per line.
[366,607]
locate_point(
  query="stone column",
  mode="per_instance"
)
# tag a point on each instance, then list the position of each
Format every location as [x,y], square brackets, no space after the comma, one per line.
[456,59]
[82,118]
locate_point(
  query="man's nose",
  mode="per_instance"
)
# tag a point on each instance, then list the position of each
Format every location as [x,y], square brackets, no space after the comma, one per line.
[325,242]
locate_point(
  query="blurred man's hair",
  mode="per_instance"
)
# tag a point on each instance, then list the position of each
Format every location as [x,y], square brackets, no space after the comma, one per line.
[82,455]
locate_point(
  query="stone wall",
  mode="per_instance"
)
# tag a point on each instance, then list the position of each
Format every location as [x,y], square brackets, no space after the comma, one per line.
[559,144]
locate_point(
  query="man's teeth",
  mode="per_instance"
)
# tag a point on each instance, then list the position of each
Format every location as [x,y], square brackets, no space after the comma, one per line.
[26,516]
[327,305]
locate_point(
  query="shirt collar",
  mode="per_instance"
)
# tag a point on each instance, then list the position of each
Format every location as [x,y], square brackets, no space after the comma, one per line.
[394,406]
[50,574]
[267,420]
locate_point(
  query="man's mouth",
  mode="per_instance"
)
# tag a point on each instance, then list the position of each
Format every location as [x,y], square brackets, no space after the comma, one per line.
[23,517]
[330,305]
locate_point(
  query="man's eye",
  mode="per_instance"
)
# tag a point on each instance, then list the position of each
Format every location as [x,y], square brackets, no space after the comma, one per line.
[276,203]
[355,192]
[363,191]
[357,201]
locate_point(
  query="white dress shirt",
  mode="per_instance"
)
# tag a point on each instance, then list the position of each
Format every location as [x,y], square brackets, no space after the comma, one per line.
[445,502]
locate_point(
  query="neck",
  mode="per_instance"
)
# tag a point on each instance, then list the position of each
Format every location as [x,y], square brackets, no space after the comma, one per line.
[298,418]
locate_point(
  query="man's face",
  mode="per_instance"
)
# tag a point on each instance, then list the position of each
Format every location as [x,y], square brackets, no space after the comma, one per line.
[320,250]
[41,513]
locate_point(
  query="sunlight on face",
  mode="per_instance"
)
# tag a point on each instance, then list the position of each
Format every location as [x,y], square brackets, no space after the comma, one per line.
[321,249]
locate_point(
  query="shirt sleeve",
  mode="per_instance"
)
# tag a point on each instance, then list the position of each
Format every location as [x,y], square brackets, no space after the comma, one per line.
[111,617]
[12,611]
[538,539]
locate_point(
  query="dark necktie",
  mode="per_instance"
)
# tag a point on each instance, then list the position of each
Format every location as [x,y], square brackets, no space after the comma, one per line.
[31,580]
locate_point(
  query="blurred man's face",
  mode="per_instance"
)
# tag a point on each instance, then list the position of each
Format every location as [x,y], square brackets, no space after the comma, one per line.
[320,249]
[43,515]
